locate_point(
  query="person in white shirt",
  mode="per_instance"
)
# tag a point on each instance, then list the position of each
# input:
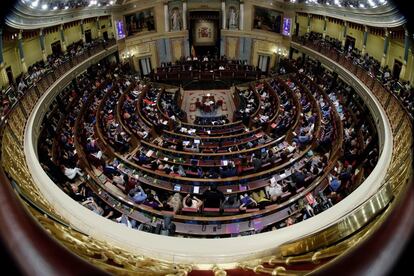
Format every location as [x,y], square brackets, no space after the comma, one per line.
[292,147]
[22,86]
[71,172]
[274,190]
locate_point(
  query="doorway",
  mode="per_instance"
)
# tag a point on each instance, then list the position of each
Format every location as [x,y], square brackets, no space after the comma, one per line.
[105,36]
[396,69]
[263,63]
[9,73]
[56,48]
[145,66]
[349,43]
[88,36]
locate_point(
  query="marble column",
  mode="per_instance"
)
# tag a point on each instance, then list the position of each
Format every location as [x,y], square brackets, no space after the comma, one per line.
[4,80]
[406,55]
[42,44]
[386,45]
[241,16]
[21,53]
[223,12]
[82,32]
[344,34]
[308,28]
[98,27]
[166,18]
[184,15]
[62,38]
[364,42]
[325,24]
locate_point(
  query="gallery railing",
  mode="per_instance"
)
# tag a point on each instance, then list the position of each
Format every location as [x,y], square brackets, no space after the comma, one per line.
[23,236]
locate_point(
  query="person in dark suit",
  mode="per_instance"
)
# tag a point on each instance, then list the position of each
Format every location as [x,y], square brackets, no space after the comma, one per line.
[213,198]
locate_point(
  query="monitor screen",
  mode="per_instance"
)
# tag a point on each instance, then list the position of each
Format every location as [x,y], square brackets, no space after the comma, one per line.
[287,22]
[120,33]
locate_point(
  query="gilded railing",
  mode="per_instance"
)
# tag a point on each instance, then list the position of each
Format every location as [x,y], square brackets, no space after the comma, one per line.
[368,217]
[323,245]
[106,256]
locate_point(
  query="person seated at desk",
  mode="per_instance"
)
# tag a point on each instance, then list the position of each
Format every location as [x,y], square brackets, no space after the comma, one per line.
[303,139]
[271,157]
[153,201]
[256,162]
[91,204]
[174,202]
[123,219]
[192,202]
[247,202]
[142,158]
[231,202]
[137,194]
[334,183]
[213,197]
[274,191]
[71,173]
[21,87]
[260,198]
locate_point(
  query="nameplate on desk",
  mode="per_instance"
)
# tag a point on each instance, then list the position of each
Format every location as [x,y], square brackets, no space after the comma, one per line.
[177,188]
[229,190]
[196,189]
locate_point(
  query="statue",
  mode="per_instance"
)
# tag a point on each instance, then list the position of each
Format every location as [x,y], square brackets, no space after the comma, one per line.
[175,19]
[233,24]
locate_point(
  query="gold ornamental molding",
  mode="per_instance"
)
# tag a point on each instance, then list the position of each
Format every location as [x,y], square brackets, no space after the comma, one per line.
[311,249]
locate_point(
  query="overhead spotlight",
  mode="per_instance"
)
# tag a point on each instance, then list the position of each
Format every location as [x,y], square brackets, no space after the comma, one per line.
[362,5]
[111,3]
[35,4]
[55,8]
[66,7]
[44,7]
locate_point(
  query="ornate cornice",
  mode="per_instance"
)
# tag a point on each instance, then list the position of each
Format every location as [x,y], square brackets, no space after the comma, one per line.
[23,17]
[383,16]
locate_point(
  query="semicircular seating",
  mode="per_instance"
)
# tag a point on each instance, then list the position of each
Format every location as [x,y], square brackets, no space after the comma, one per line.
[126,150]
